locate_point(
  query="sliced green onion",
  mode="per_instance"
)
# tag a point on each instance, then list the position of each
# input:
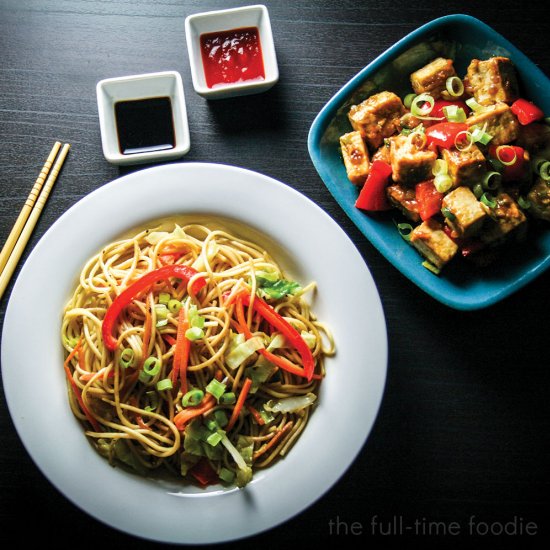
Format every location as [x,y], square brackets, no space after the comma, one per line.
[478,190]
[153,398]
[126,358]
[491,180]
[214,438]
[226,475]
[221,417]
[228,398]
[164,384]
[448,214]
[479,135]
[500,152]
[144,377]
[488,200]
[418,139]
[422,105]
[454,113]
[192,397]
[443,182]
[431,267]
[440,167]
[454,86]
[474,105]
[174,306]
[164,298]
[215,388]
[407,101]
[543,170]
[405,230]
[469,140]
[267,417]
[151,367]
[161,311]
[194,333]
[524,203]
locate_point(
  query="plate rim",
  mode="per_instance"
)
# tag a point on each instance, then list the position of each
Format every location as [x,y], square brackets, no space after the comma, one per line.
[263,523]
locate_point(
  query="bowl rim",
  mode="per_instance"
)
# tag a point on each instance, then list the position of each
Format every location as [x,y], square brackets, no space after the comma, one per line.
[235,88]
[107,122]
[459,301]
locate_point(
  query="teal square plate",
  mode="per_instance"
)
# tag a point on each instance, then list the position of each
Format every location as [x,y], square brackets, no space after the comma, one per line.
[461,285]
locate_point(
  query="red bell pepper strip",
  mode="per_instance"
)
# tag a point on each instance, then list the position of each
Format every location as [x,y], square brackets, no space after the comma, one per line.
[372,196]
[203,472]
[510,154]
[526,111]
[444,134]
[135,289]
[429,199]
[284,327]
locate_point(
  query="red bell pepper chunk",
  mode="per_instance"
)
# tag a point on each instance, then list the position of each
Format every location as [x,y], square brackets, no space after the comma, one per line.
[428,198]
[526,111]
[203,472]
[135,289]
[444,134]
[372,196]
[513,154]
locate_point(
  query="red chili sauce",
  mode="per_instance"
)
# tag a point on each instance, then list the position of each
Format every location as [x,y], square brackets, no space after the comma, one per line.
[232,56]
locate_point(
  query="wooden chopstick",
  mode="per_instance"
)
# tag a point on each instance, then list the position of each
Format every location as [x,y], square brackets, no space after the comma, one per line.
[24,226]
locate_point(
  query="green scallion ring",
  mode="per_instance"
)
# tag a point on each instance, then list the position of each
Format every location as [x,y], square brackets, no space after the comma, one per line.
[491,180]
[126,358]
[228,398]
[440,167]
[151,367]
[478,190]
[524,203]
[453,113]
[500,151]
[454,86]
[192,398]
[407,101]
[174,306]
[544,170]
[164,298]
[164,384]
[473,104]
[427,102]
[469,139]
[488,200]
[448,214]
[405,230]
[443,182]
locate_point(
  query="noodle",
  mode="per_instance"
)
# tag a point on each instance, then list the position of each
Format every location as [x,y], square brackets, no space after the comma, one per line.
[158,398]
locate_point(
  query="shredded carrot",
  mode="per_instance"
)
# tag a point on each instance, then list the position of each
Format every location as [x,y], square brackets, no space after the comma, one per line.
[147,328]
[181,353]
[187,414]
[239,404]
[273,441]
[139,419]
[169,339]
[257,416]
[75,387]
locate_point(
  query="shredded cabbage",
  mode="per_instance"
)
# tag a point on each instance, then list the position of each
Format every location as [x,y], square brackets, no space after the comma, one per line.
[290,404]
[244,472]
[243,351]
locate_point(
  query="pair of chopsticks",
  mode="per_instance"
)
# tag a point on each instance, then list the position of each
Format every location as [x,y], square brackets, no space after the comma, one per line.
[26,221]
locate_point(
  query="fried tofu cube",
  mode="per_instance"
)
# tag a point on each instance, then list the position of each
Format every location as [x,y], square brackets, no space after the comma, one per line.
[465,167]
[432,77]
[383,153]
[404,199]
[506,217]
[492,81]
[433,243]
[377,117]
[465,216]
[356,157]
[502,124]
[411,162]
[539,197]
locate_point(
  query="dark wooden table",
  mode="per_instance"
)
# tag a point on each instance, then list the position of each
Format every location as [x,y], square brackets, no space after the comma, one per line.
[461,441]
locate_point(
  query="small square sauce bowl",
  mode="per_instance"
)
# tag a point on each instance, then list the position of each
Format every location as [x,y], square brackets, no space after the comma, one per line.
[143,118]
[231,52]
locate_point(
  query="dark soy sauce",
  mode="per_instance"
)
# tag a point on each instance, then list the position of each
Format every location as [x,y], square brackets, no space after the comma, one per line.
[145,125]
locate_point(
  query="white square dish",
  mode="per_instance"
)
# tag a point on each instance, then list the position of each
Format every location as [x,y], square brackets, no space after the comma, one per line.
[152,86]
[221,21]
